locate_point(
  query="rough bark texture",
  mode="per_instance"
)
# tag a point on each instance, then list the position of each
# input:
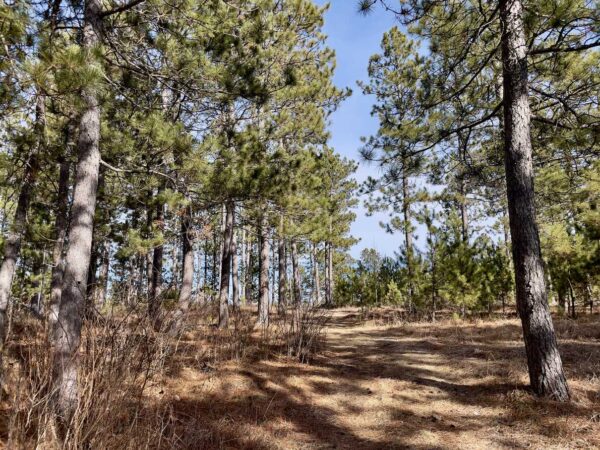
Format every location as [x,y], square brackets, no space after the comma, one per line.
[225,266]
[263,279]
[544,361]
[72,304]
[60,232]
[12,244]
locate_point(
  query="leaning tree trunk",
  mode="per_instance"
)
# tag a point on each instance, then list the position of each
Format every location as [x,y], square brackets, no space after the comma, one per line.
[225,265]
[12,244]
[60,233]
[72,304]
[263,280]
[545,365]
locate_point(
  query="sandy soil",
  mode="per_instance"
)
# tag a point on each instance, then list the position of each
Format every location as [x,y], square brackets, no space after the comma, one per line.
[380,385]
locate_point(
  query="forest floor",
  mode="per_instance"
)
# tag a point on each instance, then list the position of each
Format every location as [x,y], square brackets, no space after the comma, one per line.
[381,384]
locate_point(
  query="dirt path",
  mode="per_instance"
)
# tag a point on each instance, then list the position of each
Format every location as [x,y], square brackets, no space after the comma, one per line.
[378,387]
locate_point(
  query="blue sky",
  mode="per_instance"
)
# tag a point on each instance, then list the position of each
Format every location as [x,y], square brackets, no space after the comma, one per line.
[355,38]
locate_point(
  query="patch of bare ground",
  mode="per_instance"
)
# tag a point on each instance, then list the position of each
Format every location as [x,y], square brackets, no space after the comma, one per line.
[376,385]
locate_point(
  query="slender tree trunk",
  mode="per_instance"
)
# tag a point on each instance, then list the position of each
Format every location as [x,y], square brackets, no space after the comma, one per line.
[149,255]
[463,143]
[91,280]
[187,270]
[103,275]
[60,233]
[12,244]
[329,282]
[205,282]
[408,238]
[225,265]
[263,282]
[235,269]
[157,265]
[243,267]
[272,270]
[281,303]
[316,276]
[572,298]
[545,365]
[249,267]
[296,275]
[72,304]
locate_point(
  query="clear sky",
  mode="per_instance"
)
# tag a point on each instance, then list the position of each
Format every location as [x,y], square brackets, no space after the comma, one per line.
[356,37]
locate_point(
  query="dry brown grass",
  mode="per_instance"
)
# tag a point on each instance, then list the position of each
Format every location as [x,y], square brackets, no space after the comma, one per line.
[375,384]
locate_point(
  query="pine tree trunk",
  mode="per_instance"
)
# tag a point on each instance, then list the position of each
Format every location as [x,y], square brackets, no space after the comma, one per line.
[263,282]
[156,283]
[235,269]
[243,267]
[463,143]
[60,233]
[227,229]
[545,365]
[187,270]
[296,275]
[72,304]
[408,238]
[102,286]
[282,269]
[248,271]
[12,244]
[329,282]
[316,277]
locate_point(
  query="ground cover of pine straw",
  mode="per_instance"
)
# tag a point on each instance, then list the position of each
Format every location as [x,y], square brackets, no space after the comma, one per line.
[376,383]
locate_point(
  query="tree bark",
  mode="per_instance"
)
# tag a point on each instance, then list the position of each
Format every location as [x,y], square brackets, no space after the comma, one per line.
[235,268]
[545,365]
[263,282]
[296,275]
[282,269]
[316,276]
[225,265]
[187,270]
[12,244]
[72,304]
[156,284]
[102,286]
[408,237]
[329,287]
[60,233]
[248,269]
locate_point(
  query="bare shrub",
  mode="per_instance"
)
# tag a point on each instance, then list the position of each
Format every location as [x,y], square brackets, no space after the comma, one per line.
[303,336]
[119,355]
